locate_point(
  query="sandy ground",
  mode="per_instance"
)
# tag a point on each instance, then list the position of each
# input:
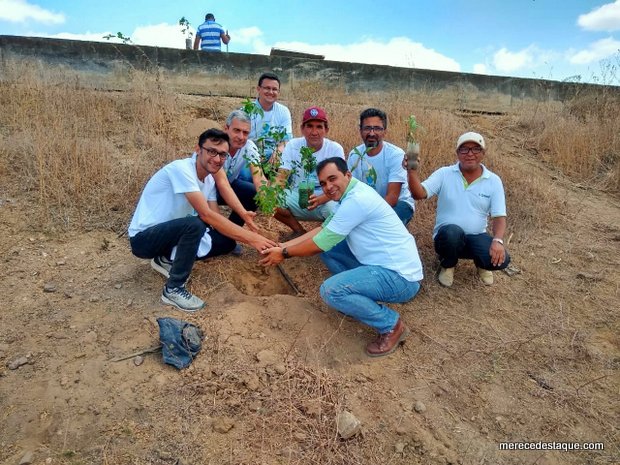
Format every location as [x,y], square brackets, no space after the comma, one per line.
[533,358]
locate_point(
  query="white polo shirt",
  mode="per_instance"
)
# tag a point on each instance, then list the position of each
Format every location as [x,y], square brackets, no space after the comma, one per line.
[245,155]
[467,206]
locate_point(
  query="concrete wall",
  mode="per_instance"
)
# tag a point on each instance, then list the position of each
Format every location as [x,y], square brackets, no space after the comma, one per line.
[108,65]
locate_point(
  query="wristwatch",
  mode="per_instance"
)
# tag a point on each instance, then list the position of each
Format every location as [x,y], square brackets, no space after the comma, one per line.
[285,253]
[497,239]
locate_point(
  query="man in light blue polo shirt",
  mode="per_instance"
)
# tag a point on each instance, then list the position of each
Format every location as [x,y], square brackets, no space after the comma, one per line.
[467,194]
[370,253]
[210,34]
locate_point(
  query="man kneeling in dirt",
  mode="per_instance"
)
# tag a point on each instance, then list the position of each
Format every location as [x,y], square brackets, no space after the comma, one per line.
[468,193]
[368,250]
[177,207]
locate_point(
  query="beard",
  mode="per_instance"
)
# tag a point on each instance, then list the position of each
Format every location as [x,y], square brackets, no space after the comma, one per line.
[371,144]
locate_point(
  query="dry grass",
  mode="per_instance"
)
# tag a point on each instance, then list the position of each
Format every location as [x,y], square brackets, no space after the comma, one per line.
[84,155]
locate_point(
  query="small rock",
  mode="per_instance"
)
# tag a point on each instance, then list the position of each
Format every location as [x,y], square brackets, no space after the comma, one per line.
[94,299]
[419,407]
[48,460]
[27,458]
[138,360]
[251,382]
[90,337]
[223,424]
[401,430]
[255,405]
[118,286]
[299,436]
[16,363]
[348,425]
[280,368]
[49,287]
[399,447]
[266,357]
[61,262]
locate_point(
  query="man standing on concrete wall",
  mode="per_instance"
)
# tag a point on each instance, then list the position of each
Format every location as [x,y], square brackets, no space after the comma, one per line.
[210,35]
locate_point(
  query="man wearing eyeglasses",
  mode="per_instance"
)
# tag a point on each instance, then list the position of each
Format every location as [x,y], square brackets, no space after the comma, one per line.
[467,194]
[275,117]
[379,164]
[177,207]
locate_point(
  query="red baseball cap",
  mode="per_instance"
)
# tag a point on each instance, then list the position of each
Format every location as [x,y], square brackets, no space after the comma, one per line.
[314,113]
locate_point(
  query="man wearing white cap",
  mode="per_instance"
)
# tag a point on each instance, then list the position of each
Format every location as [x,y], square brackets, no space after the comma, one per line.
[467,194]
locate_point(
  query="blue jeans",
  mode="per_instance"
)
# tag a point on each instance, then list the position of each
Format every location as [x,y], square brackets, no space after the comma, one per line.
[185,233]
[245,192]
[356,289]
[451,243]
[404,211]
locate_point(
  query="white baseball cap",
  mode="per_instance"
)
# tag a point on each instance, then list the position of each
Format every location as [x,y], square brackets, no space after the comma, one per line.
[471,137]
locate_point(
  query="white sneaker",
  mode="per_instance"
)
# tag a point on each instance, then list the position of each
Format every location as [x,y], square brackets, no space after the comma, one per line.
[182,299]
[162,265]
[446,276]
[485,276]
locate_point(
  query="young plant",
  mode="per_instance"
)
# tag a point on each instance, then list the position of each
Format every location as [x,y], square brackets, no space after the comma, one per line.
[186,31]
[413,146]
[270,195]
[119,35]
[307,165]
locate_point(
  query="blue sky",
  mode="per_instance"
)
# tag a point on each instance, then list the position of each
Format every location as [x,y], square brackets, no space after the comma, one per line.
[575,40]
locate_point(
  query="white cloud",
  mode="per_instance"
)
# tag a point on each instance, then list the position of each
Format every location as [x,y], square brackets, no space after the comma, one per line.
[19,11]
[597,51]
[399,51]
[506,61]
[247,35]
[603,18]
[159,35]
[480,68]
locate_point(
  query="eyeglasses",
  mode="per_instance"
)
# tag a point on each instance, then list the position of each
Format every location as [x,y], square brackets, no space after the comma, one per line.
[275,90]
[377,129]
[466,150]
[214,153]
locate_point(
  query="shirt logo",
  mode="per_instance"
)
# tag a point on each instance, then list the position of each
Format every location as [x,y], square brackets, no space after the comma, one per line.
[486,196]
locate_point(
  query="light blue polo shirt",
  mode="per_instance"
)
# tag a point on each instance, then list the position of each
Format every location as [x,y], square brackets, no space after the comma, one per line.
[466,205]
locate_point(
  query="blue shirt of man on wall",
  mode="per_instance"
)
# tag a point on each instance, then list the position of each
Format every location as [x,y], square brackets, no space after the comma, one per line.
[210,35]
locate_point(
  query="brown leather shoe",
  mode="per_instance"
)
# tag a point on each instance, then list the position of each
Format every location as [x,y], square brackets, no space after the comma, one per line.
[388,342]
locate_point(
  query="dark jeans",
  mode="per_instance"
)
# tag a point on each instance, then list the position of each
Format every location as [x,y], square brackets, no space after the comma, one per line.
[245,192]
[404,211]
[184,233]
[451,243]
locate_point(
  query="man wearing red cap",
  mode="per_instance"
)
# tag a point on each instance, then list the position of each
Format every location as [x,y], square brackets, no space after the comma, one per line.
[467,194]
[314,127]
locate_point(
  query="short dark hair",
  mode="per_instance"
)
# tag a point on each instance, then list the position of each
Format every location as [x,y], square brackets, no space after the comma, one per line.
[370,112]
[215,135]
[271,76]
[209,16]
[339,162]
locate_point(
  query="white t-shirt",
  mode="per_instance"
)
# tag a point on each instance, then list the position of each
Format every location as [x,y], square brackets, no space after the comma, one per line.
[246,154]
[375,234]
[379,170]
[467,207]
[278,117]
[163,198]
[292,155]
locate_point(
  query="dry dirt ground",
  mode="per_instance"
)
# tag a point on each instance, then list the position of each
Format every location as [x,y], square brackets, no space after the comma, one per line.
[533,358]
